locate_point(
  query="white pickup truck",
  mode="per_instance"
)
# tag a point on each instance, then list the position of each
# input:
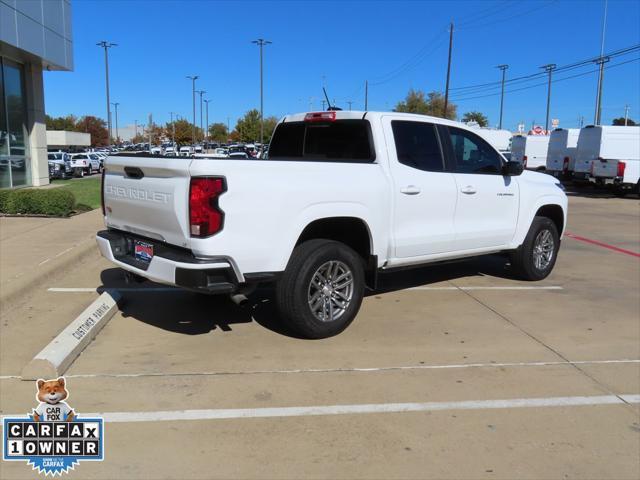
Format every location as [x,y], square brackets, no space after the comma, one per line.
[341,197]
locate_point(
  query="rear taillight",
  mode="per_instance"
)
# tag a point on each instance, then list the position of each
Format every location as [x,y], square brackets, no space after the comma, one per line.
[565,164]
[205,217]
[320,117]
[524,161]
[621,167]
[102,192]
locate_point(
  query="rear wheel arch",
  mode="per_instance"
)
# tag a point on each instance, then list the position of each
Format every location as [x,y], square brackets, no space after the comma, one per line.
[351,231]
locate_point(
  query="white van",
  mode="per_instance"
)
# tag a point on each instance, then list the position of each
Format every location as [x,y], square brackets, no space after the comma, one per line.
[530,150]
[499,139]
[561,156]
[609,155]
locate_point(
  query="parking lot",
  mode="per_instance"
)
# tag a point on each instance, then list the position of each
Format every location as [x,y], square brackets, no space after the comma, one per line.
[451,371]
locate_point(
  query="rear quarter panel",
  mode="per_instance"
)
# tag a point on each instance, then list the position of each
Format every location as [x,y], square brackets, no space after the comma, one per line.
[268,204]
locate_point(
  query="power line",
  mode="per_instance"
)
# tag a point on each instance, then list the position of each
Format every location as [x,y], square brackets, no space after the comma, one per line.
[462,99]
[526,12]
[570,66]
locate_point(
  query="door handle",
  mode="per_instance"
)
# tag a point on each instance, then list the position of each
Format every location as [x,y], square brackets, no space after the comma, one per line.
[469,190]
[410,190]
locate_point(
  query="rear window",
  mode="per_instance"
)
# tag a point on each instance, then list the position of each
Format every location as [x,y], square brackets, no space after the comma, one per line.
[340,141]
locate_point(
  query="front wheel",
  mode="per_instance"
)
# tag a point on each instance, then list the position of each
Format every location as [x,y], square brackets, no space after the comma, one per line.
[321,289]
[536,257]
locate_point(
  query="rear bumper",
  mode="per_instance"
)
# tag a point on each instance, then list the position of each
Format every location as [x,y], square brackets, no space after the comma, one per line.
[171,265]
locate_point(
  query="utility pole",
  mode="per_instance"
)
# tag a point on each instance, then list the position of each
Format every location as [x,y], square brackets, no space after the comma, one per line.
[446,89]
[135,122]
[207,125]
[107,45]
[173,130]
[504,69]
[228,127]
[150,124]
[626,115]
[350,103]
[601,61]
[549,68]
[261,43]
[201,92]
[366,95]
[115,104]
[193,95]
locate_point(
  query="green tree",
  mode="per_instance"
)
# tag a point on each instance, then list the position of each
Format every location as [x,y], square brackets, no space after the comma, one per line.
[96,127]
[620,122]
[248,127]
[184,131]
[478,117]
[156,132]
[67,123]
[431,104]
[269,126]
[218,132]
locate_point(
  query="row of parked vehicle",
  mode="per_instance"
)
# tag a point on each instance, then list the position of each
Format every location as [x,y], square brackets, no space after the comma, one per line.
[602,155]
[67,165]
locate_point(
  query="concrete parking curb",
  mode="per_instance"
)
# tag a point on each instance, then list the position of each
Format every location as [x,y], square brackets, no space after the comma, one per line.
[13,292]
[54,359]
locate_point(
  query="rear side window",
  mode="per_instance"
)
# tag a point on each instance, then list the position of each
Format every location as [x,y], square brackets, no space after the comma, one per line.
[473,154]
[417,145]
[340,141]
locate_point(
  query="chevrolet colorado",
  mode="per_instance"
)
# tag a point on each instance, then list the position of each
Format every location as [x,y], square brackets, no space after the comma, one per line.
[341,196]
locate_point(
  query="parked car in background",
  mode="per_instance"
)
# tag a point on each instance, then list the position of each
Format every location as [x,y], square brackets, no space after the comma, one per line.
[85,164]
[530,150]
[344,196]
[609,155]
[186,151]
[59,165]
[561,155]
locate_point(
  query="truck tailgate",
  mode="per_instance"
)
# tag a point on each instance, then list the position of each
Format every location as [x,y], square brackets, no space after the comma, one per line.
[149,197]
[604,168]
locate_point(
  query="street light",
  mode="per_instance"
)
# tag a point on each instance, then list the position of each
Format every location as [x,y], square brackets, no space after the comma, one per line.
[193,95]
[207,131]
[201,92]
[173,127]
[107,45]
[115,104]
[261,43]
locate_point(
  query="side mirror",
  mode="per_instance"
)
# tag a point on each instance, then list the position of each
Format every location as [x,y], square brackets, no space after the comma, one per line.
[512,169]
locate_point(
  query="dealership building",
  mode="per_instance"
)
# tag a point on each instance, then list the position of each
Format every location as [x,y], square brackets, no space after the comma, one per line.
[35,35]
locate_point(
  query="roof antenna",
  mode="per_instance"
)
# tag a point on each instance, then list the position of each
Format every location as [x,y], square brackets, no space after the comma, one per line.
[330,107]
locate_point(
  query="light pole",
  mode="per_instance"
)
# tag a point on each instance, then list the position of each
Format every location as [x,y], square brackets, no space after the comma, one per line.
[504,69]
[549,68]
[107,45]
[173,130]
[193,95]
[201,92]
[261,43]
[207,108]
[115,104]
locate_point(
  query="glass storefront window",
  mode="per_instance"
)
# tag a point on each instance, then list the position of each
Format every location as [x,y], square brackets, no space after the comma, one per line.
[14,159]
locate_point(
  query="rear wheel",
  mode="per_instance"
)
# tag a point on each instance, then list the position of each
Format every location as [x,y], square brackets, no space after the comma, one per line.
[321,289]
[536,257]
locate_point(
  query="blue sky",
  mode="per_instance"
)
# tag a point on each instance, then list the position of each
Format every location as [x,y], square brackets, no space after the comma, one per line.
[395,45]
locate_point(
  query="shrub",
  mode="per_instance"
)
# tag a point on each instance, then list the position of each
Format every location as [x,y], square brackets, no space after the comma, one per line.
[51,201]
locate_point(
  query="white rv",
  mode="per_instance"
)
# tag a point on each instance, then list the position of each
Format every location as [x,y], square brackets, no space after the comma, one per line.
[609,155]
[561,155]
[530,150]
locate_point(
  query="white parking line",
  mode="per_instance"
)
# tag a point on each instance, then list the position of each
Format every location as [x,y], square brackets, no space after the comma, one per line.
[344,370]
[173,289]
[470,289]
[275,412]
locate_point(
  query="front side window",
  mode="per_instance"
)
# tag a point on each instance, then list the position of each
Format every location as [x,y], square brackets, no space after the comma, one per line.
[473,154]
[417,145]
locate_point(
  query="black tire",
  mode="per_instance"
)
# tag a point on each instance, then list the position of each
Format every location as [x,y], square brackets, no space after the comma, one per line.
[522,259]
[293,290]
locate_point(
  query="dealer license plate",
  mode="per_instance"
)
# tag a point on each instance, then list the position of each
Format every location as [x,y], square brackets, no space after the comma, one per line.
[142,251]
